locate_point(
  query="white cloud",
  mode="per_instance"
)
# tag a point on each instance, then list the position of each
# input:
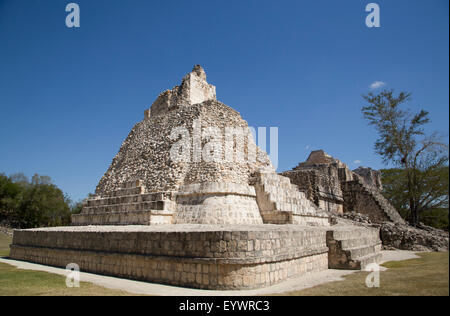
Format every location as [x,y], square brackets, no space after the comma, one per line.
[357,162]
[377,85]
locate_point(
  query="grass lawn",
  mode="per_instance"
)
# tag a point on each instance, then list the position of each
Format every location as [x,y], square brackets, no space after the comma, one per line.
[17,282]
[5,241]
[424,276]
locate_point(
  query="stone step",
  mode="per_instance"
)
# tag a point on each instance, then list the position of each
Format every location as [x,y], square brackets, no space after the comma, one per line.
[372,258]
[129,207]
[291,191]
[353,247]
[276,195]
[150,217]
[276,217]
[126,191]
[295,208]
[321,220]
[358,242]
[157,196]
[363,251]
[273,179]
[381,201]
[292,196]
[358,233]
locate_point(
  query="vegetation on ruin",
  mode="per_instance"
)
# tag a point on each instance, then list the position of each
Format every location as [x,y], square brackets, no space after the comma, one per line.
[419,184]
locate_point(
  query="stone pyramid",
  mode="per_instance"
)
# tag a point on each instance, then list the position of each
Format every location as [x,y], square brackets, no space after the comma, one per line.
[145,154]
[175,207]
[193,160]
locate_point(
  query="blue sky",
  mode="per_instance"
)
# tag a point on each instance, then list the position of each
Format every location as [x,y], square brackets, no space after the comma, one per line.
[69,97]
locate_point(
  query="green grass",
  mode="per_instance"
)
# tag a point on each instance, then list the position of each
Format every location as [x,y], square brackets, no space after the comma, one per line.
[5,241]
[18,282]
[424,276]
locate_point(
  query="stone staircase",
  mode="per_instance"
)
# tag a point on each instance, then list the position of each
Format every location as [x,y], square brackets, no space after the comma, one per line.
[353,247]
[383,203]
[378,198]
[128,205]
[281,202]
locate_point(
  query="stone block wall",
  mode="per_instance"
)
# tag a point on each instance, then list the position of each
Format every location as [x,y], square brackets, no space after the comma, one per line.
[370,177]
[151,217]
[128,205]
[233,258]
[353,247]
[321,185]
[362,198]
[334,188]
[217,203]
[281,202]
[360,201]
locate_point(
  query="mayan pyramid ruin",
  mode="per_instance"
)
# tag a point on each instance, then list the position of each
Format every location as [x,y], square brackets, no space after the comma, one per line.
[145,185]
[190,200]
[332,186]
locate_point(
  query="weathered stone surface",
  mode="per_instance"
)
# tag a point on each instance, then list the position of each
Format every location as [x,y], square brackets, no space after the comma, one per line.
[399,236]
[321,185]
[331,185]
[352,247]
[281,202]
[217,203]
[416,239]
[194,89]
[145,154]
[370,177]
[362,198]
[200,256]
[144,168]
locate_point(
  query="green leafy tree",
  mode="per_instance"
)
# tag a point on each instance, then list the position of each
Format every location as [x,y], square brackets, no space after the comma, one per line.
[433,200]
[421,159]
[77,207]
[44,205]
[20,178]
[38,203]
[10,199]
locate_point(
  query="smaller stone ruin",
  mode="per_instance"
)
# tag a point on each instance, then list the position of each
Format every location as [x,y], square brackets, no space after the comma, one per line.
[370,177]
[331,185]
[356,196]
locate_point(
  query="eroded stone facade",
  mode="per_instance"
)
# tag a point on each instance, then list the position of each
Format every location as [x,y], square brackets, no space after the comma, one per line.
[332,186]
[209,257]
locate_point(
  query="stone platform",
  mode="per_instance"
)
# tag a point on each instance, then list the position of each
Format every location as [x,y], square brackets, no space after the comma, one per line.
[219,257]
[352,247]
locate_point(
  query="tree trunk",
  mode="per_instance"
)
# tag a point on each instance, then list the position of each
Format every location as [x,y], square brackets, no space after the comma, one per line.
[413,205]
[414,214]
